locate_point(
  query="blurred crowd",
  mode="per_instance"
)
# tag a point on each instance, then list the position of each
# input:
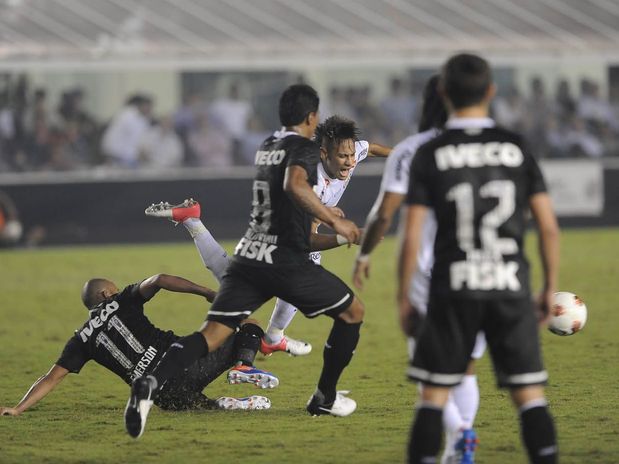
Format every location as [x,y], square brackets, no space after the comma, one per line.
[226,130]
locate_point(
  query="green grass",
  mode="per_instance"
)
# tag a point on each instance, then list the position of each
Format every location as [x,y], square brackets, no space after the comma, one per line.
[81,421]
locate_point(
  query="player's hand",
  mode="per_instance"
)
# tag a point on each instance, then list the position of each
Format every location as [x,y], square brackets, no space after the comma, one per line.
[360,272]
[409,318]
[545,301]
[9,412]
[337,211]
[210,296]
[348,230]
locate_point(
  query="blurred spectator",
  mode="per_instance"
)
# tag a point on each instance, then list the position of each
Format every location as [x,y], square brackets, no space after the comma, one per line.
[161,147]
[10,226]
[210,144]
[250,143]
[591,107]
[510,110]
[398,108]
[565,104]
[338,104]
[538,112]
[232,114]
[580,142]
[121,140]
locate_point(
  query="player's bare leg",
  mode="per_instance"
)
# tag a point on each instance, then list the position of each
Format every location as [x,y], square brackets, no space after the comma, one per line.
[338,352]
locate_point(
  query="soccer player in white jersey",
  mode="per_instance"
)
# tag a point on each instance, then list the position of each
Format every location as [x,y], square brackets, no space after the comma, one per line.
[340,153]
[460,411]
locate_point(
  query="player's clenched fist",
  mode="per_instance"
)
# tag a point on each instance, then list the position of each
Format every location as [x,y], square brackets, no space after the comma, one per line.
[347,229]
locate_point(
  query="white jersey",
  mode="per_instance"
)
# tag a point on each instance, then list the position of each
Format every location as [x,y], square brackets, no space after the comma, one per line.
[331,190]
[396,179]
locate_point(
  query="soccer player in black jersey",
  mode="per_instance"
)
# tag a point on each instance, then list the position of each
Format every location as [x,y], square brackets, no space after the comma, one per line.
[119,336]
[480,181]
[272,259]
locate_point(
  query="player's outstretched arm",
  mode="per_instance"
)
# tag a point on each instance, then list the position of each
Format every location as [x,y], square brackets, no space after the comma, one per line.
[150,286]
[297,187]
[376,225]
[413,219]
[549,236]
[378,150]
[37,391]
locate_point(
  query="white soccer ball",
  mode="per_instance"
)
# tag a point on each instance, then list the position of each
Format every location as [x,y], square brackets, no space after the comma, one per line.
[568,314]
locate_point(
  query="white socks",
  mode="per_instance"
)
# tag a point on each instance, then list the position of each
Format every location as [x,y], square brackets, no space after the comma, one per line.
[466,397]
[213,255]
[280,319]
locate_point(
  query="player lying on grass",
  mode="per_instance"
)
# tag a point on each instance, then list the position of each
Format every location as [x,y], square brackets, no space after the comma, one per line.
[119,336]
[461,408]
[340,152]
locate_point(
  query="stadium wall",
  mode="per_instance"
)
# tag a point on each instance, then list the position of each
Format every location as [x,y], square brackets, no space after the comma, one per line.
[91,209]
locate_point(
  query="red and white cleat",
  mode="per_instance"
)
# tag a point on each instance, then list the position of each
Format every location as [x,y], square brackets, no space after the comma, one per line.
[176,213]
[288,345]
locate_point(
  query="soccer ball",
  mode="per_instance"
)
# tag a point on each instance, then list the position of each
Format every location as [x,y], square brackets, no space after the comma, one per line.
[568,314]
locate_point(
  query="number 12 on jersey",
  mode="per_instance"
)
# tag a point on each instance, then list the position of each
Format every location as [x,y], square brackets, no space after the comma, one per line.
[484,268]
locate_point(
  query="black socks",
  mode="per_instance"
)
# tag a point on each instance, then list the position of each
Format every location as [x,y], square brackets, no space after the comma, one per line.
[337,354]
[538,434]
[425,436]
[247,343]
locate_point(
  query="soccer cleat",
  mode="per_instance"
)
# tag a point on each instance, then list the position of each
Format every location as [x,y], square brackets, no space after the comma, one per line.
[176,213]
[466,446]
[247,403]
[250,374]
[289,345]
[138,406]
[341,407]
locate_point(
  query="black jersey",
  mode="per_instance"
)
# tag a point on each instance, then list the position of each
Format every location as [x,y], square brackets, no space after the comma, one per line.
[118,336]
[478,179]
[279,230]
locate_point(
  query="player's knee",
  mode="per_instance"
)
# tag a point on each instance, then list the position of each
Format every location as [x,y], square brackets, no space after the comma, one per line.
[470,369]
[354,313]
[523,395]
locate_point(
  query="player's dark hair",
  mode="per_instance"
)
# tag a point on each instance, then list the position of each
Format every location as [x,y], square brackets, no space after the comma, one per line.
[91,292]
[335,129]
[296,103]
[433,111]
[465,79]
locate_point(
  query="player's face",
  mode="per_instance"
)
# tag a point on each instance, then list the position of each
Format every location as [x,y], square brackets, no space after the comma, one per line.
[340,161]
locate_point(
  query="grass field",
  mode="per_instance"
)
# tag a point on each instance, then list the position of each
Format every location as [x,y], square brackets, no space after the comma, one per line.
[81,421]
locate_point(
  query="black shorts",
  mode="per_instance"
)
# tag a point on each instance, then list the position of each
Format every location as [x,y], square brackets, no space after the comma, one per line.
[184,391]
[309,287]
[448,336]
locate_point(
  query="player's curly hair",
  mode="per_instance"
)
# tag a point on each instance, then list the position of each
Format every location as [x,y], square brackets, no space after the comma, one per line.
[334,130]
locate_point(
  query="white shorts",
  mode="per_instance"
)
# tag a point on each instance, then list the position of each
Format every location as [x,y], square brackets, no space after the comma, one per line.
[418,294]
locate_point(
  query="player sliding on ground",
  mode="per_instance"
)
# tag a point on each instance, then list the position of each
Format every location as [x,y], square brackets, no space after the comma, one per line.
[119,337]
[461,408]
[272,260]
[340,153]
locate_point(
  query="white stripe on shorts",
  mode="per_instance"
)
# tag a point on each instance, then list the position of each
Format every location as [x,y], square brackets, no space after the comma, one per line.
[226,313]
[528,378]
[320,311]
[439,379]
